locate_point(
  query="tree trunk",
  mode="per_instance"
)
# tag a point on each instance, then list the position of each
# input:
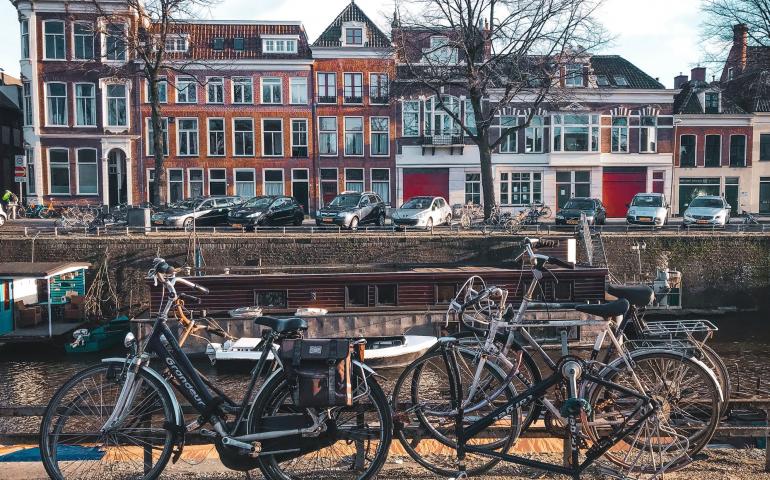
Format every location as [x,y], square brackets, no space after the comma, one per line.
[487,177]
[157,188]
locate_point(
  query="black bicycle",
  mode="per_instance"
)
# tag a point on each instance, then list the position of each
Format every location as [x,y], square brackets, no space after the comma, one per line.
[121,419]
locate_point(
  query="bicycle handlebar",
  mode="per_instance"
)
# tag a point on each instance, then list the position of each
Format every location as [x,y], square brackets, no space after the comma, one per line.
[560,263]
[200,288]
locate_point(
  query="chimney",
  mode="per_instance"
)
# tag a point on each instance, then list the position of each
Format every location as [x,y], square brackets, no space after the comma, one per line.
[680,80]
[487,40]
[740,45]
[698,74]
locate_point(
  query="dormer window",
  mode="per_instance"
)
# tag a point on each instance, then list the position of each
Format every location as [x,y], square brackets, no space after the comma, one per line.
[176,43]
[440,51]
[573,75]
[277,44]
[354,36]
[730,73]
[238,44]
[621,80]
[602,81]
[218,44]
[712,102]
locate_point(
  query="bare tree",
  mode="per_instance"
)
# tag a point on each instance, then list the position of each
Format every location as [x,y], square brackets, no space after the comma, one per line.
[720,17]
[499,54]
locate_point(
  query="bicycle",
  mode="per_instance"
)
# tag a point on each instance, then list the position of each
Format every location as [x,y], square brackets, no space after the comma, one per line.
[122,418]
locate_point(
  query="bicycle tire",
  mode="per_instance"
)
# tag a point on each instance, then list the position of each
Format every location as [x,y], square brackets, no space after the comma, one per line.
[717,364]
[57,414]
[269,401]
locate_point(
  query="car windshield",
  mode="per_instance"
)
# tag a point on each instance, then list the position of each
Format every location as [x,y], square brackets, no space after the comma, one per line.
[184,204]
[345,200]
[647,201]
[418,203]
[580,205]
[259,202]
[703,202]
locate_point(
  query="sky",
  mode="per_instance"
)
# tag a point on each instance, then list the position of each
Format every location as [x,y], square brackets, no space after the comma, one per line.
[658,36]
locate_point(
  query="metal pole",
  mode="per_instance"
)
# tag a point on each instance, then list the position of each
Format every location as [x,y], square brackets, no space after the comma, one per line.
[50,318]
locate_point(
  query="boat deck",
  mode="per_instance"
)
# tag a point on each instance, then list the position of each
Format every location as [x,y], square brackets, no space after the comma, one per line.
[39,333]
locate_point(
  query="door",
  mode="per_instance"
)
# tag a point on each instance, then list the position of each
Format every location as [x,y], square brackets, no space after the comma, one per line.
[731,195]
[116,175]
[619,185]
[282,211]
[365,209]
[427,182]
[300,189]
[6,306]
[764,195]
[328,185]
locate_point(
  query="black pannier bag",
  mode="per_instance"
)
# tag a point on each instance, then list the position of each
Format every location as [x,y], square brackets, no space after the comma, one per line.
[318,370]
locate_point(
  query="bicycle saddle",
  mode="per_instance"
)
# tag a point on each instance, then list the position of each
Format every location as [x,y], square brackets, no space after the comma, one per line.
[637,295]
[282,325]
[605,310]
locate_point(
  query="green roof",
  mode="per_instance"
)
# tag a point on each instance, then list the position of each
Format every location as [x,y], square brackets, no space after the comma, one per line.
[613,66]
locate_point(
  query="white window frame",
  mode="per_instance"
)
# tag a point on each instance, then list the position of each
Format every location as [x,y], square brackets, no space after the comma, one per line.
[253,145]
[190,181]
[242,82]
[539,132]
[372,132]
[354,132]
[356,26]
[209,181]
[149,176]
[208,137]
[621,129]
[594,124]
[174,39]
[262,90]
[653,128]
[93,105]
[363,179]
[419,118]
[264,132]
[29,114]
[77,170]
[30,162]
[24,29]
[570,79]
[352,76]
[106,103]
[168,183]
[380,87]
[265,182]
[66,105]
[303,89]
[105,42]
[705,148]
[695,150]
[326,87]
[253,176]
[475,182]
[75,38]
[196,136]
[372,182]
[188,81]
[514,135]
[269,44]
[435,115]
[300,180]
[745,150]
[50,176]
[307,135]
[147,128]
[336,137]
[63,36]
[215,81]
[161,80]
[510,172]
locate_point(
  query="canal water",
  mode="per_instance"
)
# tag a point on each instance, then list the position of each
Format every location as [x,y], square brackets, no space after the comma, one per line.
[30,376]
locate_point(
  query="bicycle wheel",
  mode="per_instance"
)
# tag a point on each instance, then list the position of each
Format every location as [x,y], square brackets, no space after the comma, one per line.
[465,221]
[545,212]
[718,366]
[425,420]
[74,443]
[353,445]
[688,396]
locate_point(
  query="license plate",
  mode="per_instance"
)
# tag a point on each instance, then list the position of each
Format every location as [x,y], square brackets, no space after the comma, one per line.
[645,219]
[237,225]
[572,222]
[328,220]
[158,222]
[701,221]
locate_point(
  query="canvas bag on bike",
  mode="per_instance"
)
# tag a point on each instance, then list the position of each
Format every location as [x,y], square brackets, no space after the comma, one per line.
[318,370]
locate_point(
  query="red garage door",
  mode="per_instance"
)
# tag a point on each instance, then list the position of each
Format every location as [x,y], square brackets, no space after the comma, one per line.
[619,185]
[426,182]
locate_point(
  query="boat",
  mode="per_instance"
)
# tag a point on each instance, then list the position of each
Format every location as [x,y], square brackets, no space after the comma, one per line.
[99,338]
[381,352]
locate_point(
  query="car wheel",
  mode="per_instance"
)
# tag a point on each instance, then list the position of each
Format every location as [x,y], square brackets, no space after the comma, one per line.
[448,220]
[353,225]
[298,221]
[381,220]
[188,224]
[429,224]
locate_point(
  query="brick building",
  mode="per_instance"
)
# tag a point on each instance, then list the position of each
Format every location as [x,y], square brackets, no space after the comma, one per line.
[10,132]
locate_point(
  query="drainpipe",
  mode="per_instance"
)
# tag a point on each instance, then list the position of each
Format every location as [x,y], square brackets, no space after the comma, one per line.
[316,161]
[673,164]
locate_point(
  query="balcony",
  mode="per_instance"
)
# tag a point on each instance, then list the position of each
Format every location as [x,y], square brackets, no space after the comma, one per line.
[327,99]
[378,100]
[299,152]
[355,99]
[454,140]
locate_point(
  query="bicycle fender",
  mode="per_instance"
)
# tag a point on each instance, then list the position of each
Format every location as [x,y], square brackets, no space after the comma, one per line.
[179,418]
[367,369]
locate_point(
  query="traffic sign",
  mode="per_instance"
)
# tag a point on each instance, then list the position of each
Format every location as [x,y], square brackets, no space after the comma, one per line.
[20,173]
[19,160]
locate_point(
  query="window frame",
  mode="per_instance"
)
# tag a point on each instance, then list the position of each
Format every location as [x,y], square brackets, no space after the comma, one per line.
[372,181]
[510,182]
[215,81]
[179,133]
[28,113]
[355,100]
[262,90]
[236,181]
[235,133]
[348,37]
[745,150]
[95,165]
[272,182]
[63,36]
[267,40]
[346,181]
[272,132]
[24,34]
[241,82]
[296,145]
[384,91]
[354,132]
[148,146]
[190,181]
[127,106]
[711,109]
[377,302]
[766,156]
[653,128]
[188,82]
[242,41]
[620,129]
[169,182]
[539,131]
[328,132]
[322,99]
[216,42]
[706,150]
[61,165]
[694,150]
[174,39]
[75,36]
[292,88]
[593,126]
[403,117]
[473,194]
[223,132]
[209,179]
[108,35]
[93,105]
[514,135]
[571,79]
[48,96]
[373,132]
[162,79]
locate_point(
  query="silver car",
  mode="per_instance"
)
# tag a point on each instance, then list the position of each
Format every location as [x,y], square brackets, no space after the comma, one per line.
[707,210]
[647,209]
[423,212]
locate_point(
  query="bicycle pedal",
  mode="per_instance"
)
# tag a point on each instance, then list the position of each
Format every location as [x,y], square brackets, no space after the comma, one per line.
[208,433]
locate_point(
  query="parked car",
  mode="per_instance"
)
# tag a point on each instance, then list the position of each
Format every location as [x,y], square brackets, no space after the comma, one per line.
[592,207]
[267,210]
[351,209]
[707,210]
[423,212]
[211,210]
[3,216]
[647,209]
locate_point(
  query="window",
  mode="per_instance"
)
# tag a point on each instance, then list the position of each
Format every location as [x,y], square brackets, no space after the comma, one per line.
[687,151]
[572,184]
[243,90]
[445,293]
[299,137]
[218,44]
[85,104]
[176,44]
[379,141]
[217,181]
[271,90]
[437,120]
[30,170]
[410,118]
[327,88]
[57,103]
[385,295]
[737,150]
[469,118]
[298,90]
[713,152]
[239,44]
[273,182]
[573,75]
[648,134]
[25,39]
[243,136]
[187,137]
[520,188]
[354,36]
[378,88]
[54,41]
[175,184]
[195,182]
[619,135]
[712,102]
[508,145]
[59,164]
[354,136]
[602,81]
[186,90]
[353,89]
[116,42]
[117,114]
[151,140]
[162,85]
[87,180]
[381,183]
[216,137]
[440,52]
[272,137]
[244,183]
[83,34]
[357,295]
[215,90]
[327,135]
[764,146]
[473,188]
[279,45]
[533,136]
[27,91]
[272,299]
[150,178]
[730,73]
[576,133]
[620,80]
[354,179]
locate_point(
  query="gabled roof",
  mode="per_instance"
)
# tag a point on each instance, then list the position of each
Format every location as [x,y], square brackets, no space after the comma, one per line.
[612,65]
[687,101]
[331,37]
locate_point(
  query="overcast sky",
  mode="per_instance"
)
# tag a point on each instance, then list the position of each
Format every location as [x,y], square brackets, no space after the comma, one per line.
[659,36]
